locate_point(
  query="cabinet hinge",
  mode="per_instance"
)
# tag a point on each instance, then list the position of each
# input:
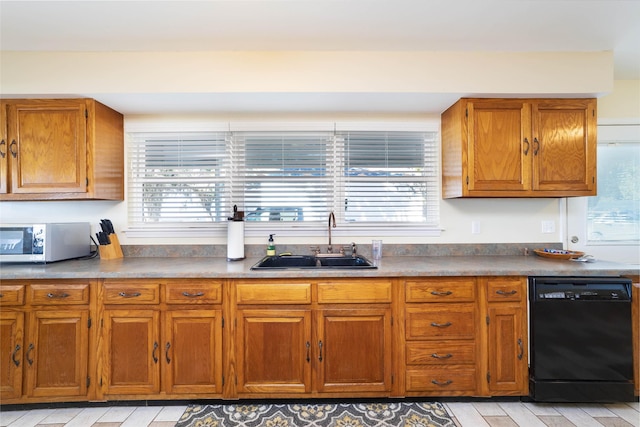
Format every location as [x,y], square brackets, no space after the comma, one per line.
[391,320]
[86,113]
[88,381]
[487,319]
[392,379]
[467,179]
[89,323]
[488,377]
[87,182]
[100,382]
[466,112]
[593,113]
[102,323]
[236,380]
[223,380]
[223,322]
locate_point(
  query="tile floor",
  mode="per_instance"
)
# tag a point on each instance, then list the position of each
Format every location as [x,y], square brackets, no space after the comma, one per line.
[466,414]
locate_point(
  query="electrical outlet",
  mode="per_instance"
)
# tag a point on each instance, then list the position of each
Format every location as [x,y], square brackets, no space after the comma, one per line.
[548,227]
[475,227]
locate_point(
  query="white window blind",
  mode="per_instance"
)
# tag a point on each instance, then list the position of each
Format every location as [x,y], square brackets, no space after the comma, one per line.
[283,176]
[390,177]
[178,178]
[283,179]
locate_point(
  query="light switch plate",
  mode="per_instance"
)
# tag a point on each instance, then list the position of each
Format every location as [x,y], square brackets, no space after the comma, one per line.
[548,227]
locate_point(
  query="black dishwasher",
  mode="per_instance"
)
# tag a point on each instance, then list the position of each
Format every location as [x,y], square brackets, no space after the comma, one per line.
[581,346]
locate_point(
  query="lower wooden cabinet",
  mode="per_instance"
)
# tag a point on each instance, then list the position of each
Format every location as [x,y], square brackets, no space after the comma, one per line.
[161,339]
[506,335]
[44,341]
[287,343]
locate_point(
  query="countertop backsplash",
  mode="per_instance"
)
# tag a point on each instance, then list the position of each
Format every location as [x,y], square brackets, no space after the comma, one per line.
[256,251]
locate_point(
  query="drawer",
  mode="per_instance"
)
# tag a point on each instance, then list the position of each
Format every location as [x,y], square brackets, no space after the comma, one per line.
[354,292]
[273,293]
[452,289]
[445,380]
[131,293]
[441,353]
[193,293]
[11,295]
[444,321]
[506,289]
[59,294]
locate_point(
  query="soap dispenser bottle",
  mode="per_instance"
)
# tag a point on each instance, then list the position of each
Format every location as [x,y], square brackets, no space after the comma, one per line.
[271,246]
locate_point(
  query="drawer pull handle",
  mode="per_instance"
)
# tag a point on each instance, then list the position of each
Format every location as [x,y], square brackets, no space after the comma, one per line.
[440,293]
[441,325]
[131,295]
[62,295]
[308,352]
[506,293]
[445,356]
[31,347]
[13,355]
[166,352]
[1,295]
[153,353]
[320,356]
[521,353]
[442,383]
[3,153]
[190,295]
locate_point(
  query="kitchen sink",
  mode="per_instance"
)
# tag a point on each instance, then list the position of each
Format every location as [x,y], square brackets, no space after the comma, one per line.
[313,262]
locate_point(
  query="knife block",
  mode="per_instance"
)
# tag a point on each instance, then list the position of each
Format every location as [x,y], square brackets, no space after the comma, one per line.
[112,250]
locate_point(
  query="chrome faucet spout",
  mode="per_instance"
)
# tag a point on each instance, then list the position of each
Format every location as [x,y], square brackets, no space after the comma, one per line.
[331,217]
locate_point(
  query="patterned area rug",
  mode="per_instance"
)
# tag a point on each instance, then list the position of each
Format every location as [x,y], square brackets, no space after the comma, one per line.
[365,414]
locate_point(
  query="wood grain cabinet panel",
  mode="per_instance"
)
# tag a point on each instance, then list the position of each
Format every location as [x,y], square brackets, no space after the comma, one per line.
[441,321]
[59,294]
[63,149]
[519,148]
[11,354]
[11,295]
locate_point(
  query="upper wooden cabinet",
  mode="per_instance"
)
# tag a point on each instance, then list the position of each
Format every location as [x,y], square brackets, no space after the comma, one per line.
[519,148]
[60,149]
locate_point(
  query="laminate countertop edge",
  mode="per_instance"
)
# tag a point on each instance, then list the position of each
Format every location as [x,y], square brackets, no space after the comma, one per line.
[401,266]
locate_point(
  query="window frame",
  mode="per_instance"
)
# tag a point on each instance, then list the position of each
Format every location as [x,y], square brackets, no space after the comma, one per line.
[300,229]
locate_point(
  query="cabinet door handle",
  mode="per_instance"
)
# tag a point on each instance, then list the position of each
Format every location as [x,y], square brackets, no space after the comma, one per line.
[506,293]
[308,352]
[441,325]
[441,293]
[13,355]
[444,356]
[31,347]
[3,152]
[62,295]
[153,353]
[320,355]
[166,352]
[12,149]
[131,295]
[190,295]
[526,146]
[442,383]
[536,146]
[521,353]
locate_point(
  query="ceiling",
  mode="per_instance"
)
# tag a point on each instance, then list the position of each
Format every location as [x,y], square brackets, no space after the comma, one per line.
[343,25]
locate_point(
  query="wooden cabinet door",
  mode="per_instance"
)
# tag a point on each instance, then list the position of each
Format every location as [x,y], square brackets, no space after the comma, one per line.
[353,350]
[192,351]
[4,148]
[132,352]
[274,351]
[11,352]
[507,349]
[47,146]
[564,145]
[57,352]
[499,146]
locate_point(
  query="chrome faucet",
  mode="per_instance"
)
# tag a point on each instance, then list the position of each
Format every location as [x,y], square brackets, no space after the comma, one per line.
[331,216]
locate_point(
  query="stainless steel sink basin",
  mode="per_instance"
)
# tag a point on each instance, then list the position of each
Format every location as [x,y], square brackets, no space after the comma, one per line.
[312,262]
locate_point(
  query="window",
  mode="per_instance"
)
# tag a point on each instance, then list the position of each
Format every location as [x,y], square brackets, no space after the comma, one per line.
[288,180]
[613,216]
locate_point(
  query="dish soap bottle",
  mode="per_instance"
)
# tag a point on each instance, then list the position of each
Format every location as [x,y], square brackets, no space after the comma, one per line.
[271,246]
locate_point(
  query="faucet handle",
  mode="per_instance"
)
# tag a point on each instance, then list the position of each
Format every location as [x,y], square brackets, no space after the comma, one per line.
[315,249]
[354,249]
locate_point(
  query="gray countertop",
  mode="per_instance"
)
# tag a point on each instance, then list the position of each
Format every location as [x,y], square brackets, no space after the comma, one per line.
[407,266]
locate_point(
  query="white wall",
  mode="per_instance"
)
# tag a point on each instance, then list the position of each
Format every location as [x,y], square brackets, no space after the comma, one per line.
[501,220]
